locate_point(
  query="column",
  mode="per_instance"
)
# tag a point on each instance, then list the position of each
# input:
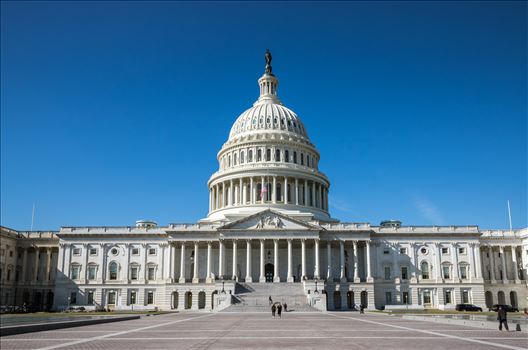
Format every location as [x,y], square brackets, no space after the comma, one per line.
[305,192]
[196,278]
[171,262]
[223,194]
[102,262]
[125,267]
[240,191]
[145,255]
[163,259]
[286,190]
[182,264]
[356,269]
[303,259]
[235,277]
[455,261]
[316,251]
[274,192]
[248,261]
[263,194]
[296,191]
[492,263]
[503,262]
[217,196]
[314,202]
[342,261]
[37,261]
[24,265]
[369,270]
[276,277]
[60,263]
[329,261]
[437,253]
[208,279]
[244,194]
[221,260]
[48,265]
[210,199]
[251,194]
[230,194]
[290,276]
[472,265]
[320,194]
[262,277]
[395,273]
[478,261]
[514,261]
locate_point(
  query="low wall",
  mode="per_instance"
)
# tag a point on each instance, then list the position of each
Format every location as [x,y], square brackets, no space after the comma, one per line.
[462,322]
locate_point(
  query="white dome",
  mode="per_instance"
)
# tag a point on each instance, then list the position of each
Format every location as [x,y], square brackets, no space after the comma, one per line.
[268,117]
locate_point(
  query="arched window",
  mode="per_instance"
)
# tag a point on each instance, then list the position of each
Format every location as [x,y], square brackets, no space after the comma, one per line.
[242,157]
[259,155]
[286,156]
[250,155]
[425,270]
[277,155]
[268,155]
[229,160]
[308,160]
[235,159]
[295,157]
[112,271]
[302,158]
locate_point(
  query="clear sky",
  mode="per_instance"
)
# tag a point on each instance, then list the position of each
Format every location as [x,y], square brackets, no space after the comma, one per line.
[114,112]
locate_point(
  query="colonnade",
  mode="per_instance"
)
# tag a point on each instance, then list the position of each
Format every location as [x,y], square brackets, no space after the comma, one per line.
[268,189]
[35,266]
[499,270]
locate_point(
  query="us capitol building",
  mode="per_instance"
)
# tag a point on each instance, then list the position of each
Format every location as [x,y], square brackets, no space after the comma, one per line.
[268,232]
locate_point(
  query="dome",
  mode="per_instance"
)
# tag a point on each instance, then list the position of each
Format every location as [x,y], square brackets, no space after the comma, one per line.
[268,117]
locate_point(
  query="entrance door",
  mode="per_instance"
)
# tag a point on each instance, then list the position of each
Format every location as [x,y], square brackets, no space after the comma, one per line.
[427,298]
[269,272]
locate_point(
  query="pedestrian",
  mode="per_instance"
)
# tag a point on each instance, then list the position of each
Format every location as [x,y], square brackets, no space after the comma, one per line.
[361,309]
[526,311]
[273,308]
[279,310]
[270,300]
[501,316]
[285,307]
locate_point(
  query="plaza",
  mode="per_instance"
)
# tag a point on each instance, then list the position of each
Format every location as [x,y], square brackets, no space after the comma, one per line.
[226,330]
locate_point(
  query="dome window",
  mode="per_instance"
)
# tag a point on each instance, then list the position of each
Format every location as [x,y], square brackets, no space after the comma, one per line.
[302,159]
[242,157]
[277,155]
[295,157]
[286,156]
[250,156]
[268,155]
[259,155]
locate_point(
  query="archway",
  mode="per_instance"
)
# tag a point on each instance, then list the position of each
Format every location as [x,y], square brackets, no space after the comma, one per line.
[188,300]
[501,297]
[364,298]
[269,272]
[49,301]
[213,299]
[201,300]
[337,300]
[513,298]
[350,300]
[38,300]
[175,297]
[489,299]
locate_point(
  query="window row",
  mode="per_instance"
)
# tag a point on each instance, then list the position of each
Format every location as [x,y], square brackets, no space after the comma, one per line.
[425,271]
[134,272]
[268,155]
[92,251]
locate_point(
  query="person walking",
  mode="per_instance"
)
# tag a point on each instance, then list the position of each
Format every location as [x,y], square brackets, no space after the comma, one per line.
[285,307]
[502,317]
[270,300]
[273,308]
[279,310]
[361,309]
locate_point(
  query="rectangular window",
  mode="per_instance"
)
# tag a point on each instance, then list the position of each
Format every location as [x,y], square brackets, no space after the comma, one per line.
[445,272]
[90,297]
[387,273]
[152,251]
[133,297]
[73,298]
[93,251]
[447,297]
[135,251]
[150,297]
[463,272]
[403,251]
[445,251]
[388,298]
[151,273]
[8,275]
[386,251]
[465,296]
[112,298]
[405,297]
[10,253]
[462,250]
[92,272]
[76,251]
[404,272]
[75,272]
[134,273]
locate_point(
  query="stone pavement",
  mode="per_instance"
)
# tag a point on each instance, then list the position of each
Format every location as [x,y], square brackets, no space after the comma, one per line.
[333,330]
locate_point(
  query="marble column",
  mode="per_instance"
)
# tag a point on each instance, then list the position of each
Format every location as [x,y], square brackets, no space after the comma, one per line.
[296,191]
[478,263]
[305,193]
[290,275]
[314,200]
[263,194]
[316,267]
[251,191]
[329,261]
[369,269]
[36,268]
[240,191]
[454,250]
[208,279]
[262,276]
[182,264]
[248,261]
[196,278]
[514,261]
[48,265]
[492,263]
[221,260]
[223,194]
[503,263]
[235,276]
[274,193]
[356,269]
[276,277]
[286,192]
[342,261]
[303,259]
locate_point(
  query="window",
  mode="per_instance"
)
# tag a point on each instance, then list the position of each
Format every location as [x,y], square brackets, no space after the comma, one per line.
[76,251]
[151,273]
[92,272]
[404,272]
[302,158]
[90,297]
[150,297]
[152,251]
[259,155]
[403,251]
[286,156]
[308,160]
[277,155]
[388,298]
[463,272]
[229,160]
[114,251]
[112,269]
[133,297]
[462,250]
[445,272]
[112,298]
[75,272]
[465,296]
[250,155]
[93,251]
[242,157]
[386,251]
[405,297]
[447,297]
[73,298]
[134,271]
[235,159]
[295,157]
[268,155]
[423,250]
[135,251]
[445,251]
[10,253]
[425,270]
[387,273]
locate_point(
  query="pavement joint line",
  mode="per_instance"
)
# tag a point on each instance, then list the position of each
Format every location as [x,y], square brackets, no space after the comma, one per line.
[436,333]
[120,333]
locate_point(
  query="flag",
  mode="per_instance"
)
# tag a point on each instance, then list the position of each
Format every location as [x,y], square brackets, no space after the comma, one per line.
[264,192]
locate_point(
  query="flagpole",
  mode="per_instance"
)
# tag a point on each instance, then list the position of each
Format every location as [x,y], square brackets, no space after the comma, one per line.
[509,215]
[32,217]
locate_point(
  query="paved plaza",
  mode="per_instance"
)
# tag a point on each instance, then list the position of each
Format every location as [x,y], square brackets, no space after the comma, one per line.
[261,331]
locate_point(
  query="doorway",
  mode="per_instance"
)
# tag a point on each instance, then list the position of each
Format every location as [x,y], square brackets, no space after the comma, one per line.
[268,272]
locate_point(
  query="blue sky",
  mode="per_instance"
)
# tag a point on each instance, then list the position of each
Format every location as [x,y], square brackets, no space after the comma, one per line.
[114,112]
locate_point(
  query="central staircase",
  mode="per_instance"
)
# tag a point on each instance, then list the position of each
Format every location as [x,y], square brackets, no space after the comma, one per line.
[254,297]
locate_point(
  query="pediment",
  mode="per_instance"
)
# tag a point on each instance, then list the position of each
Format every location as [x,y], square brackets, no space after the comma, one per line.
[269,220]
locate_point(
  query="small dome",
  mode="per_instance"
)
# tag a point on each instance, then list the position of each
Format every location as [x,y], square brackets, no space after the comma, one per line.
[268,117]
